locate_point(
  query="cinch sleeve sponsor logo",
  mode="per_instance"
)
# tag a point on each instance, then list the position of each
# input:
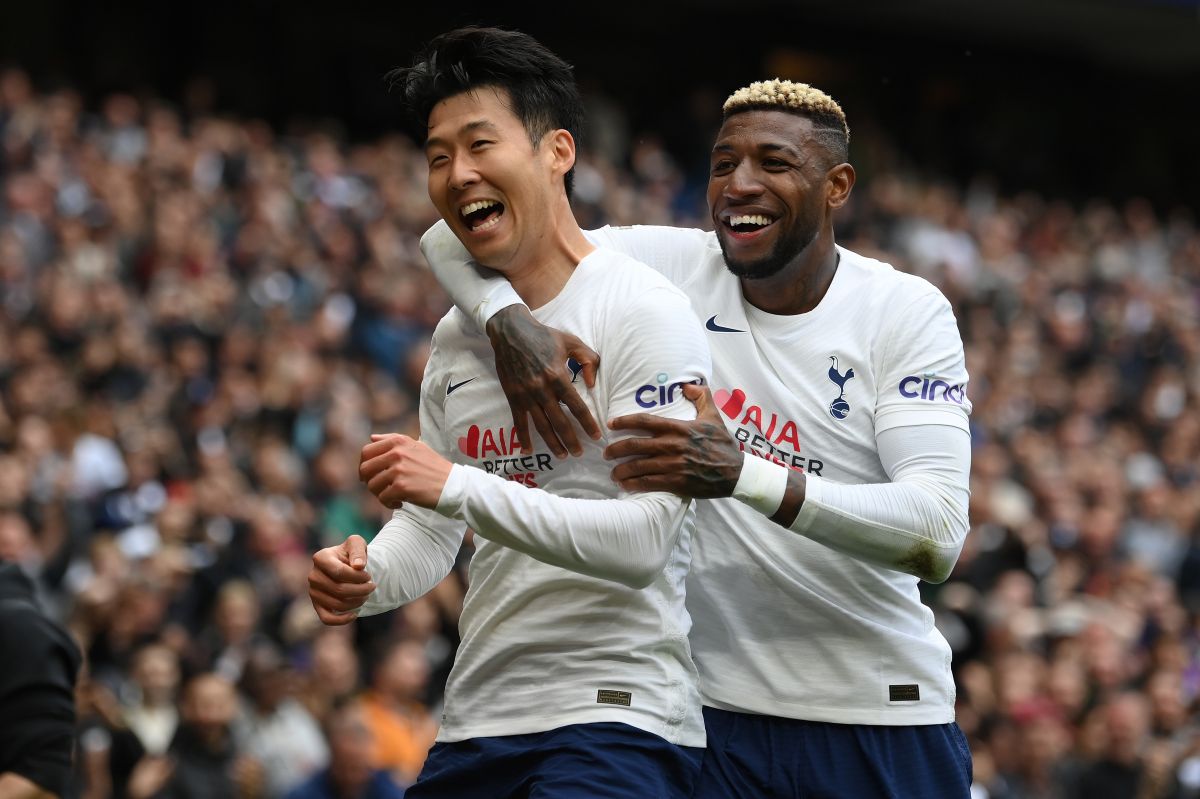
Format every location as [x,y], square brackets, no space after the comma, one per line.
[927,388]
[662,391]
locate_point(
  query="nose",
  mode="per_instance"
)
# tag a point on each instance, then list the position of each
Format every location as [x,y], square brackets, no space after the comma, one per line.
[462,173]
[743,182]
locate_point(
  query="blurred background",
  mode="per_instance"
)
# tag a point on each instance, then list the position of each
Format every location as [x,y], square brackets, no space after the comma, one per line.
[211,293]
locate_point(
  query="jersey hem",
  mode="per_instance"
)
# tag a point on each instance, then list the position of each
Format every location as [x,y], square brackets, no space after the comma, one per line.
[686,735]
[881,717]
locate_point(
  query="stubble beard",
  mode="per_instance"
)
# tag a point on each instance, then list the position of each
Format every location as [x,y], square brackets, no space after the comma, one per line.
[784,252]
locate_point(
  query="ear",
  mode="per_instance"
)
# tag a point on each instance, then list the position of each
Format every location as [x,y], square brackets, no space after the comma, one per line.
[561,148]
[838,182]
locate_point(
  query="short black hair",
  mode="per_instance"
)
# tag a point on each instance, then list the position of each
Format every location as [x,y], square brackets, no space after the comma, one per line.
[540,85]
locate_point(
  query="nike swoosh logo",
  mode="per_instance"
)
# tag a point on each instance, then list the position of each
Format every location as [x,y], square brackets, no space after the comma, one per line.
[452,387]
[712,325]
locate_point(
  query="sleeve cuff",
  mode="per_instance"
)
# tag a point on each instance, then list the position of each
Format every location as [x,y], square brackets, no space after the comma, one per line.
[812,503]
[454,493]
[499,298]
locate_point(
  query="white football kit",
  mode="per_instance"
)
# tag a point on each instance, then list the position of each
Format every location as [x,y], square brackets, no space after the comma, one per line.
[575,607]
[867,395]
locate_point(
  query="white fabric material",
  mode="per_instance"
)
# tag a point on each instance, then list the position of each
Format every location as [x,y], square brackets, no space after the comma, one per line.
[787,624]
[761,484]
[542,633]
[628,540]
[919,519]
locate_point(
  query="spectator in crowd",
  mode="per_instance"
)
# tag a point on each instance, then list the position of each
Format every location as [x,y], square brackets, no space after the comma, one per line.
[273,727]
[402,729]
[204,761]
[152,713]
[350,774]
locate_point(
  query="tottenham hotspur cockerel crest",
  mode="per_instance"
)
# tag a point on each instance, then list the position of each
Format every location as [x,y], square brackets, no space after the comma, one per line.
[839,408]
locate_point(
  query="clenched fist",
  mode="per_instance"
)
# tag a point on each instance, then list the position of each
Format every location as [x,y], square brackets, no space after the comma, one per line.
[399,469]
[338,583]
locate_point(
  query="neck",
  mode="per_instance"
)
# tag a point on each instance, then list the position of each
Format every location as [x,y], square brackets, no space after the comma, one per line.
[547,262]
[800,286]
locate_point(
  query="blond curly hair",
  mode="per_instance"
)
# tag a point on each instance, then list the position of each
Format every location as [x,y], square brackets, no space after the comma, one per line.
[785,95]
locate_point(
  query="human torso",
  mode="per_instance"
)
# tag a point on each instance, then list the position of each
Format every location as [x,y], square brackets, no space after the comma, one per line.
[783,625]
[543,646]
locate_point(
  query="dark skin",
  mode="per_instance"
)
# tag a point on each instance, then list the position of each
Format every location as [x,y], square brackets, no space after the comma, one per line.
[764,163]
[531,364]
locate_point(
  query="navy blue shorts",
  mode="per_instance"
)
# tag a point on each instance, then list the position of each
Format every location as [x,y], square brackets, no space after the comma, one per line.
[767,757]
[607,760]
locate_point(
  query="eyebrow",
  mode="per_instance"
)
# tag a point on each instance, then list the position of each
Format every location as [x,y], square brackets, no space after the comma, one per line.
[768,147]
[478,124]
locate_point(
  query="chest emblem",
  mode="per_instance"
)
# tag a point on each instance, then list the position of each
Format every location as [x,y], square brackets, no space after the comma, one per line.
[839,408]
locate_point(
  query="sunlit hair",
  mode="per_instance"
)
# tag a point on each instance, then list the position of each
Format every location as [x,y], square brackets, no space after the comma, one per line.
[829,121]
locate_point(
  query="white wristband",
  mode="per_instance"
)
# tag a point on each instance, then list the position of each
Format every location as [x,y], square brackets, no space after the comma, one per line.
[762,484]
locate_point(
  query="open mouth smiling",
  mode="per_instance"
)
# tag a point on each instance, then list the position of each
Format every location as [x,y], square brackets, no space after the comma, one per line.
[748,223]
[481,215]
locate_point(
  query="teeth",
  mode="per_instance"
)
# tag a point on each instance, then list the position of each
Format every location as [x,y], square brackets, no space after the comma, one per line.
[491,223]
[478,205]
[757,219]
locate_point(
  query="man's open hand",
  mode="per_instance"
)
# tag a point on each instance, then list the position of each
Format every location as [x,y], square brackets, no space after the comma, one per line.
[338,583]
[531,362]
[695,458]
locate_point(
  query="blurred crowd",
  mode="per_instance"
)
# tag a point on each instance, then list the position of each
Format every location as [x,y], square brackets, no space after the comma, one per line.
[204,318]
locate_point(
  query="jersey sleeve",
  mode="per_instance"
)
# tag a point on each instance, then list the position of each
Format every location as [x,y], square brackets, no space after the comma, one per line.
[417,547]
[661,347]
[673,252]
[917,522]
[477,291]
[628,539]
[923,374]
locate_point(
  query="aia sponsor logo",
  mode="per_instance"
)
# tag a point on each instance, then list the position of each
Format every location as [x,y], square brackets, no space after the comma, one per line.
[929,388]
[498,451]
[764,433]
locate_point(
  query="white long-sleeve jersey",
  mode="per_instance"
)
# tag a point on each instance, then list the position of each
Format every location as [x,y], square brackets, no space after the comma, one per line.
[575,607]
[867,394]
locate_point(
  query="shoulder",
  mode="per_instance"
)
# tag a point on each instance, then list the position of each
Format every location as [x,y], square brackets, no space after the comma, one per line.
[651,235]
[455,331]
[630,282]
[894,291]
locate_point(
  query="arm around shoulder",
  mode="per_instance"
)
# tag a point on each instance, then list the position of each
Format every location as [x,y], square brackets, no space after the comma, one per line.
[477,291]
